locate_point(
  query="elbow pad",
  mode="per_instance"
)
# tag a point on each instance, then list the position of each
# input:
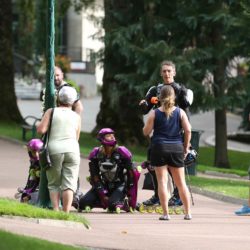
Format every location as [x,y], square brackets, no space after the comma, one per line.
[190,96]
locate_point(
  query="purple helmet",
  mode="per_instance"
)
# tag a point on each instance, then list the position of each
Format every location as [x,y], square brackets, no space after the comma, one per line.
[35,144]
[101,135]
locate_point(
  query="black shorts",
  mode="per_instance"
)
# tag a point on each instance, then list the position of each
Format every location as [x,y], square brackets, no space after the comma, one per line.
[167,154]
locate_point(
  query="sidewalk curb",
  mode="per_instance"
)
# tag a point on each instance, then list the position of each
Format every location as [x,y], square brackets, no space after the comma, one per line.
[218,196]
[224,175]
[49,222]
[12,140]
[210,141]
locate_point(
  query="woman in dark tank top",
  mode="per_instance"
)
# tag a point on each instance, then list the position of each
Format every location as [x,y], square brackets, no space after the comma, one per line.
[169,148]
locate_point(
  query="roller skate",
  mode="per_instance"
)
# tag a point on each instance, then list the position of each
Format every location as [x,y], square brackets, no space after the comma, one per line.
[150,206]
[23,195]
[127,208]
[175,206]
[77,196]
[117,210]
[121,207]
[87,209]
[19,193]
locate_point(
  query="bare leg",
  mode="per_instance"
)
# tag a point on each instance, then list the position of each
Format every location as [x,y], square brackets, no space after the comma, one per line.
[67,197]
[55,199]
[162,179]
[179,180]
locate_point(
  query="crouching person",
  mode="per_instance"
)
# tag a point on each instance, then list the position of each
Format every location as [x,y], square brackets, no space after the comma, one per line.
[112,175]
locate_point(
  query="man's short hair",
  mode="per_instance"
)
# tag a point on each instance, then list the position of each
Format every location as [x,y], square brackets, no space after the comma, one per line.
[169,63]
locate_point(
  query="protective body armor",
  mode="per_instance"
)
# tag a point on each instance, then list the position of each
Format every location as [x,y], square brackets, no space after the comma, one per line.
[114,177]
[110,171]
[182,100]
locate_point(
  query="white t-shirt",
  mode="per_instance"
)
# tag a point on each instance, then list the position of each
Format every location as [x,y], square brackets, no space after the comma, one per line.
[63,131]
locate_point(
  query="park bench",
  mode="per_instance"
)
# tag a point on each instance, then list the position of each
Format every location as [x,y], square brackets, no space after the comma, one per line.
[29,124]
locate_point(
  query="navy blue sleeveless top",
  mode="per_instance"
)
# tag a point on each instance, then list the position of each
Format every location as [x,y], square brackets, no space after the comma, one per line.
[167,130]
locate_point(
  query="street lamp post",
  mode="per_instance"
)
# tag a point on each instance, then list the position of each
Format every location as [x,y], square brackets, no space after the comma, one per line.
[44,200]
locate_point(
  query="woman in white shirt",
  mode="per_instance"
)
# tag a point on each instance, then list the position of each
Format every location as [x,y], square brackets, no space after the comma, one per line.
[63,148]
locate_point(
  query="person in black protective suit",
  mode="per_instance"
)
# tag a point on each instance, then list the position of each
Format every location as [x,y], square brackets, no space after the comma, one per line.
[113,176]
[184,98]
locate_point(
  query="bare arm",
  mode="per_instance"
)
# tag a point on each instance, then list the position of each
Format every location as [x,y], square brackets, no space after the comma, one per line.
[187,131]
[78,129]
[43,126]
[149,125]
[78,107]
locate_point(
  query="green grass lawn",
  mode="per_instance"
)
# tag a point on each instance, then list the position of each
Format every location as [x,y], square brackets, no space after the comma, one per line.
[205,168]
[233,188]
[10,241]
[238,160]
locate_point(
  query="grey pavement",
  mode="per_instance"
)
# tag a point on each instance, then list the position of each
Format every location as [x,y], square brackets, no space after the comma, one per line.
[90,110]
[214,225]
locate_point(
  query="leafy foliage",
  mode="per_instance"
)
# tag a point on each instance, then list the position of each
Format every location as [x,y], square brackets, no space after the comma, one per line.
[8,106]
[199,37]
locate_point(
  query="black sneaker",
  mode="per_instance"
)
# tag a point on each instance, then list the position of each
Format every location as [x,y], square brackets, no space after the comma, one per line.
[152,201]
[173,201]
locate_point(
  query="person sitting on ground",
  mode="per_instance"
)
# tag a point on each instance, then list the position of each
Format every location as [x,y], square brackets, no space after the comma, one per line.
[168,150]
[63,148]
[113,176]
[30,192]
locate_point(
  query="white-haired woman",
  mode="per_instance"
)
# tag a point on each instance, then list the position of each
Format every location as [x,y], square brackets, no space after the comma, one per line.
[63,148]
[168,148]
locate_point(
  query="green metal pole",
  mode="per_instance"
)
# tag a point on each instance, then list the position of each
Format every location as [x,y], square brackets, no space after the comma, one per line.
[44,200]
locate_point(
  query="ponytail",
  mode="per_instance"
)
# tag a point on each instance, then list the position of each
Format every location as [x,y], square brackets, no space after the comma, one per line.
[167,98]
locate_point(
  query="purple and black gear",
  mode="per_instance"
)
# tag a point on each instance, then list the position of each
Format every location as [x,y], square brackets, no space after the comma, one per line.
[114,180]
[33,147]
[101,137]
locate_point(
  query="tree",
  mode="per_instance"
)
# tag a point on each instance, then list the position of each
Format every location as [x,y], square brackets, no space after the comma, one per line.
[199,37]
[8,104]
[119,107]
[214,29]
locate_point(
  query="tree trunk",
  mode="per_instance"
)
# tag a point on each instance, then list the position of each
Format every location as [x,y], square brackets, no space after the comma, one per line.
[221,156]
[8,104]
[119,108]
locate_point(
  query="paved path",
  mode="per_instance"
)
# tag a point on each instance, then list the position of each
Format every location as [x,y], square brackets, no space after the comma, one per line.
[214,225]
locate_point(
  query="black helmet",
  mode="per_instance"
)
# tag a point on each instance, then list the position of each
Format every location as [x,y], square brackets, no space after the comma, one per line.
[190,158]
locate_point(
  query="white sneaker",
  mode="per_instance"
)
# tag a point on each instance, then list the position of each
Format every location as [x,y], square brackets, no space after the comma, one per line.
[188,217]
[165,217]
